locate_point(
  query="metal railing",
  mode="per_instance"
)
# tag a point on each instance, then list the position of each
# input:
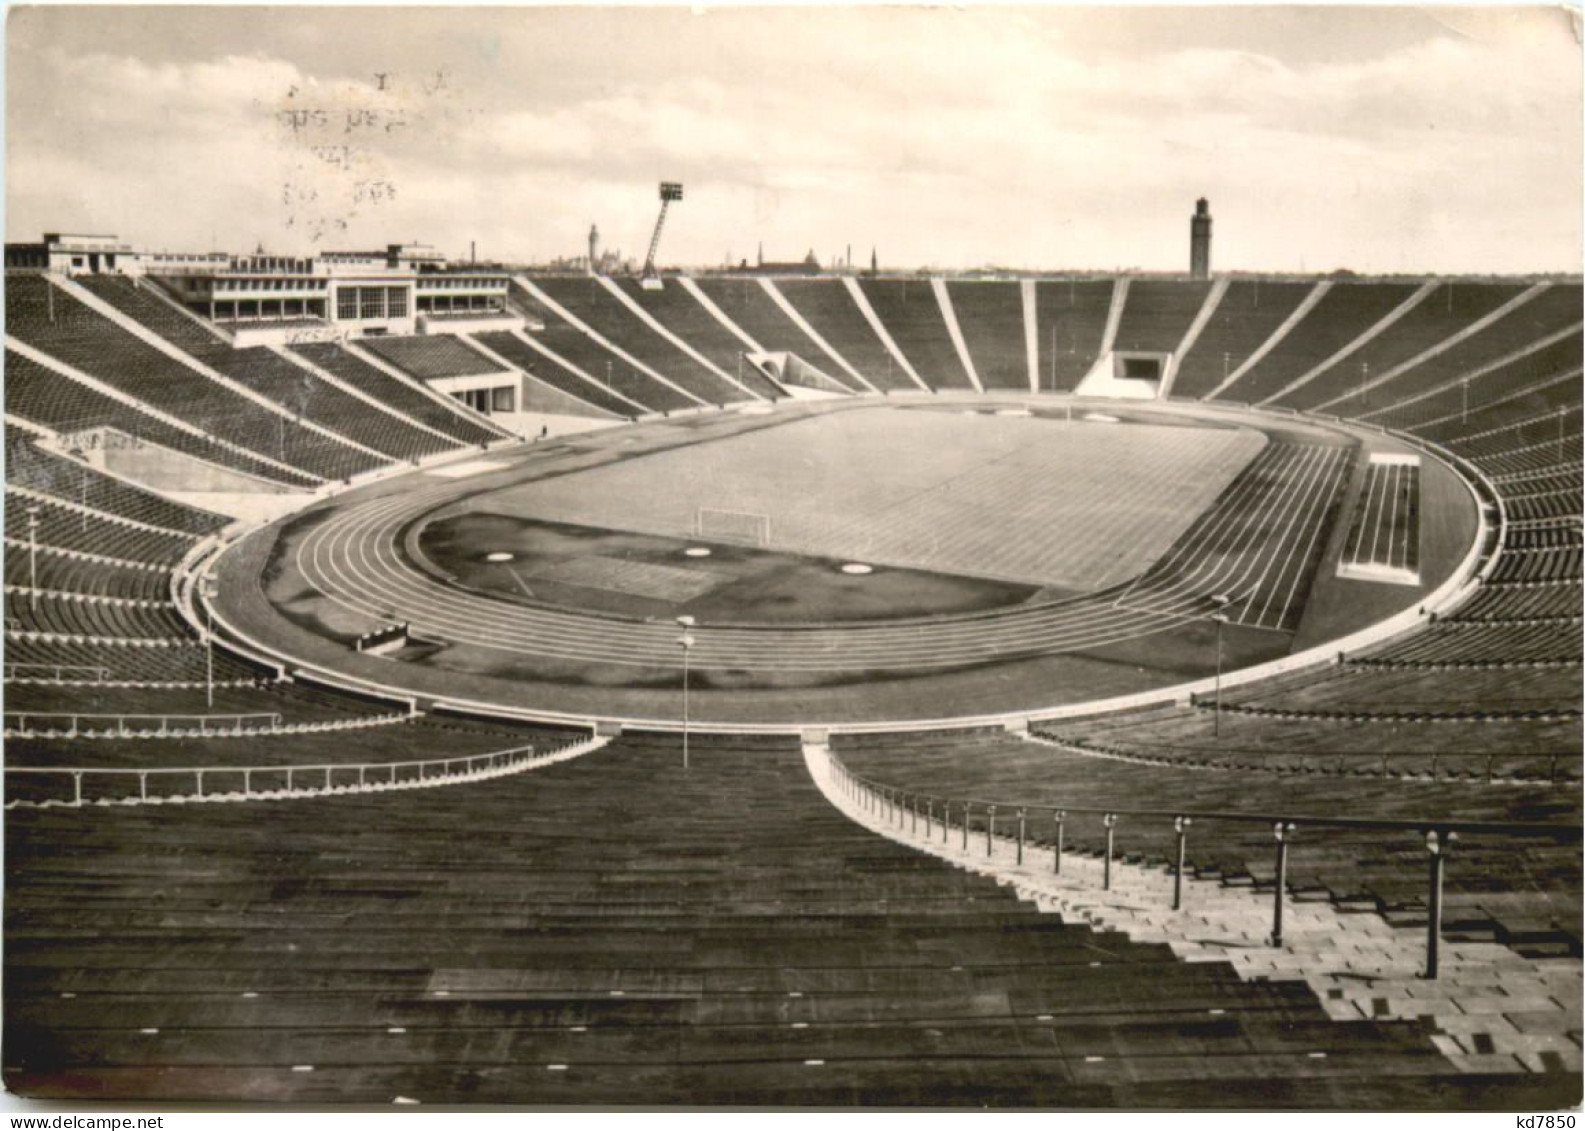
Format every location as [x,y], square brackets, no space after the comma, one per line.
[130,726]
[142,785]
[56,672]
[901,808]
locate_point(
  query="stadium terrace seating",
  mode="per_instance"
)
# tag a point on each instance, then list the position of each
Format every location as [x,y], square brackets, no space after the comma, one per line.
[64,573]
[55,615]
[1552,310]
[296,703]
[1157,314]
[1460,640]
[83,339]
[909,310]
[579,349]
[137,301]
[676,309]
[826,305]
[429,357]
[1449,310]
[1512,602]
[991,319]
[765,950]
[297,388]
[1531,382]
[39,394]
[28,465]
[120,662]
[1345,312]
[1250,312]
[1072,322]
[306,395]
[381,386]
[755,313]
[514,349]
[70,529]
[1394,689]
[1540,880]
[396,739]
[588,300]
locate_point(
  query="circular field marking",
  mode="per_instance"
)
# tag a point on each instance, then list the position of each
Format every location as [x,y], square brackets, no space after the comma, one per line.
[1101,418]
[499,556]
[697,552]
[756,410]
[857,568]
[1013,412]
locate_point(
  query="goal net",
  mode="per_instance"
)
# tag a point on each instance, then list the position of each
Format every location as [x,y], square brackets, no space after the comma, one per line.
[732,526]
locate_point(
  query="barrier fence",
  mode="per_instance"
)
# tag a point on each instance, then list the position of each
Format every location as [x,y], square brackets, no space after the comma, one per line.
[76,786]
[954,818]
[72,723]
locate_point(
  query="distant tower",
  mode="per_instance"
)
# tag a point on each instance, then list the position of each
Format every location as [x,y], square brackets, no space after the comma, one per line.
[1200,240]
[594,250]
[760,259]
[875,263]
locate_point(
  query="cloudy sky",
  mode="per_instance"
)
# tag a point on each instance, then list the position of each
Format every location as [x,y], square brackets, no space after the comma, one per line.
[1391,139]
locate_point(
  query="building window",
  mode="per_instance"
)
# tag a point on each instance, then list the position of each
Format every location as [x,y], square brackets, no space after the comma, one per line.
[396,302]
[347,304]
[371,302]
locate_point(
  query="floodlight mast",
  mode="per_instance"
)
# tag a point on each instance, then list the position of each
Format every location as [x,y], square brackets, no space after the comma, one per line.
[669,191]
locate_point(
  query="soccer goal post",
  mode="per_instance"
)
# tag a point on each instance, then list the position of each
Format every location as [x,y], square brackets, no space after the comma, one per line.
[732,526]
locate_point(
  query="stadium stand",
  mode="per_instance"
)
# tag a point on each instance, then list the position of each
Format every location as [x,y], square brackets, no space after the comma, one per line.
[1090,767]
[42,396]
[388,390]
[991,319]
[588,355]
[1335,323]
[1449,310]
[686,317]
[914,319]
[754,312]
[609,948]
[1551,317]
[65,329]
[429,357]
[531,361]
[826,305]
[1156,314]
[1250,312]
[588,300]
[1072,321]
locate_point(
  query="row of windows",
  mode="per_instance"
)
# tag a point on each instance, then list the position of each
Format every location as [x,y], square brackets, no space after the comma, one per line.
[471,283]
[297,284]
[364,303]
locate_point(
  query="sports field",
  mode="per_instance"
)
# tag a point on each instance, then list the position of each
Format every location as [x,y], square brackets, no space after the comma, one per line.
[1079,505]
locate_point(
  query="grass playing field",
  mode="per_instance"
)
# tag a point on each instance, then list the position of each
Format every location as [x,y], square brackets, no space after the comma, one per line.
[1035,501]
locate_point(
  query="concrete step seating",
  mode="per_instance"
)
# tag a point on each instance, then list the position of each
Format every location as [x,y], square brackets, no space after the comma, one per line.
[1487,1010]
[1381,872]
[618,930]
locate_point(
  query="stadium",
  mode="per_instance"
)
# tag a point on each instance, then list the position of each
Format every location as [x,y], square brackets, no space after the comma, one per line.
[434,681]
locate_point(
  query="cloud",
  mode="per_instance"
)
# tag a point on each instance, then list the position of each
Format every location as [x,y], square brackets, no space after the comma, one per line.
[945,137]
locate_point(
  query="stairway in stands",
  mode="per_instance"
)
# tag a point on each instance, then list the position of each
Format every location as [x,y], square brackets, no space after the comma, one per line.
[619,930]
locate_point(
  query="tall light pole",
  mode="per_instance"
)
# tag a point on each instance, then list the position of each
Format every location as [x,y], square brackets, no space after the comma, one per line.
[1364,383]
[33,556]
[1221,601]
[687,642]
[207,588]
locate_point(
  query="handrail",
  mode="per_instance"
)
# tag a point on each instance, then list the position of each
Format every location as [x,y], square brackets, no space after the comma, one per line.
[371,776]
[1385,824]
[273,718]
[98,671]
[901,808]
